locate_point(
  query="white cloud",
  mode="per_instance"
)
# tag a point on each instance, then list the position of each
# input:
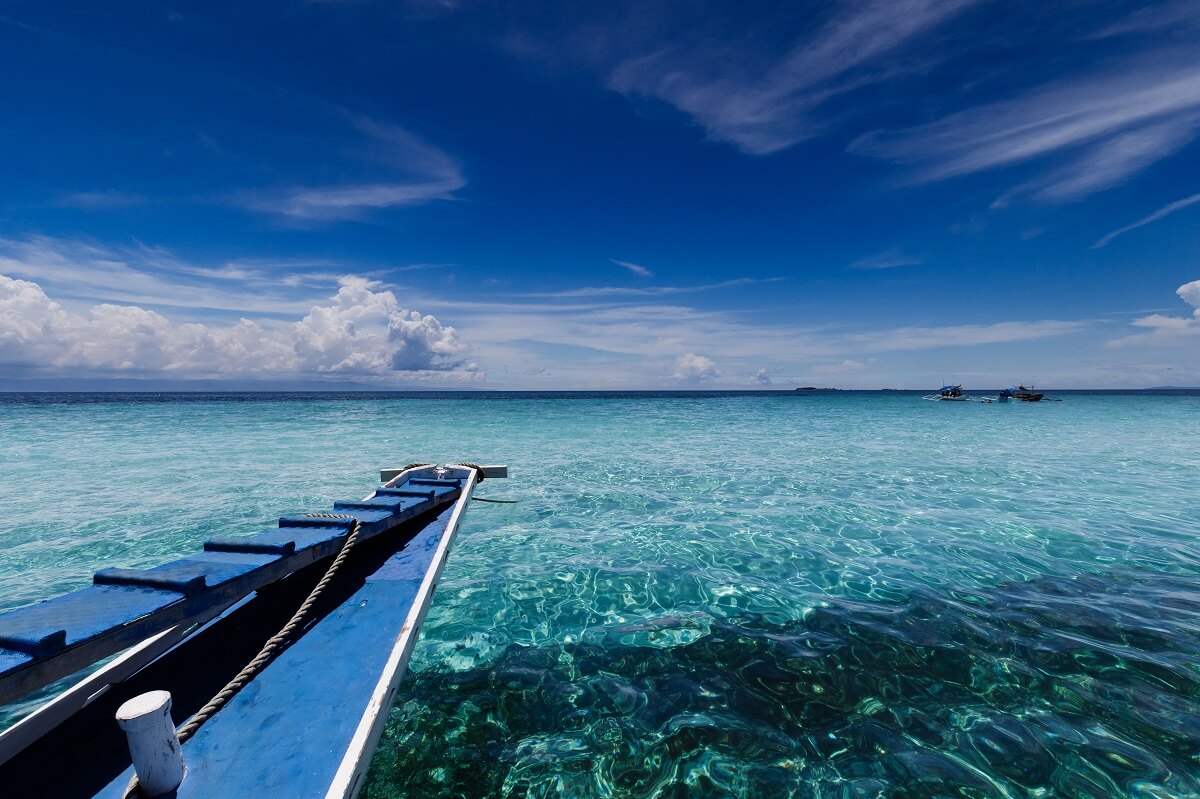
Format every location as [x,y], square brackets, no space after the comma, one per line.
[762,378]
[1157,18]
[1167,329]
[847,365]
[636,269]
[891,259]
[1107,163]
[650,291]
[337,203]
[922,338]
[360,333]
[691,366]
[766,108]
[152,276]
[105,199]
[1190,293]
[1165,211]
[1130,118]
[416,172]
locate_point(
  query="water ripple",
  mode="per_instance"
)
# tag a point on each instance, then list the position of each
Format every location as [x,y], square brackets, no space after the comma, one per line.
[811,596]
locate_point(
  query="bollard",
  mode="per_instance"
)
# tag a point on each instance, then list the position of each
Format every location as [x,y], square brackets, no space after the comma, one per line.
[153,744]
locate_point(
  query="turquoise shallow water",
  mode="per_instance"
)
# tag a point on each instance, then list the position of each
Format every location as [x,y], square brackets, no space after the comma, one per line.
[825,595]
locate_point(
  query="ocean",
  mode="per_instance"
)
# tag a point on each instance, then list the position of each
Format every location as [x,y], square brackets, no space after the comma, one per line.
[759,594]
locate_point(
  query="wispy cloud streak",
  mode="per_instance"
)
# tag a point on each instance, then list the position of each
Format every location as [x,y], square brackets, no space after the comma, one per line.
[1132,118]
[636,269]
[891,259]
[419,173]
[765,108]
[1182,14]
[650,291]
[922,338]
[155,277]
[1161,213]
[105,199]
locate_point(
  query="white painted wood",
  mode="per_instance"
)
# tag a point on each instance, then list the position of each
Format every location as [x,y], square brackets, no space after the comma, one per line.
[153,744]
[493,471]
[348,779]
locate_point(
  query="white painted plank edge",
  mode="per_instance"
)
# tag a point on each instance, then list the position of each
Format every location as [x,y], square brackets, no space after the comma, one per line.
[493,471]
[348,779]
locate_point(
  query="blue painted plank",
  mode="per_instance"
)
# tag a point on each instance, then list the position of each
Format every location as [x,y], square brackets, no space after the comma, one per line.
[86,612]
[405,492]
[298,716]
[296,538]
[251,546]
[370,521]
[189,575]
[37,643]
[410,490]
[187,585]
[11,659]
[390,504]
[429,481]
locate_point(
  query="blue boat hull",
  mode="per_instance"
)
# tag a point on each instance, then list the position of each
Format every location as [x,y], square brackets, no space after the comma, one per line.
[307,724]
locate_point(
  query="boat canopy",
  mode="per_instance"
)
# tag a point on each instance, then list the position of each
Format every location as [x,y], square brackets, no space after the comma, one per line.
[948,388]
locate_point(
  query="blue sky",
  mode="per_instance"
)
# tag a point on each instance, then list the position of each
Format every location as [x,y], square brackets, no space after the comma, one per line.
[606,195]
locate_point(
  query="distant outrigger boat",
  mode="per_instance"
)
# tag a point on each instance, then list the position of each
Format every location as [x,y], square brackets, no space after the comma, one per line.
[948,394]
[1024,395]
[1027,395]
[300,718]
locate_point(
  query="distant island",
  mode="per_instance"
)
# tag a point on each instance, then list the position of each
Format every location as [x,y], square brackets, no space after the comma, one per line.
[814,388]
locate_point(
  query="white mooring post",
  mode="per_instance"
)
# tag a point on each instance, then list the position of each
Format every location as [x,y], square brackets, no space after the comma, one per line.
[153,744]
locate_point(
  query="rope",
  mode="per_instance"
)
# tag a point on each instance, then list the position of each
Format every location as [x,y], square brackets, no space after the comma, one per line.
[270,648]
[478,469]
[277,641]
[497,501]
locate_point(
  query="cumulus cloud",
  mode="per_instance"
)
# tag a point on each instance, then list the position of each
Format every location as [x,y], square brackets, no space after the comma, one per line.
[362,332]
[762,378]
[691,366]
[1162,328]
[1190,293]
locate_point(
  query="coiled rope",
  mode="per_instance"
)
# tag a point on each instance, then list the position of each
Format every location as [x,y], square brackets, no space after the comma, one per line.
[478,470]
[269,649]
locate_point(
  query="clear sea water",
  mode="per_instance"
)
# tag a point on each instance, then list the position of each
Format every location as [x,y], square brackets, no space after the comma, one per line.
[793,594]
